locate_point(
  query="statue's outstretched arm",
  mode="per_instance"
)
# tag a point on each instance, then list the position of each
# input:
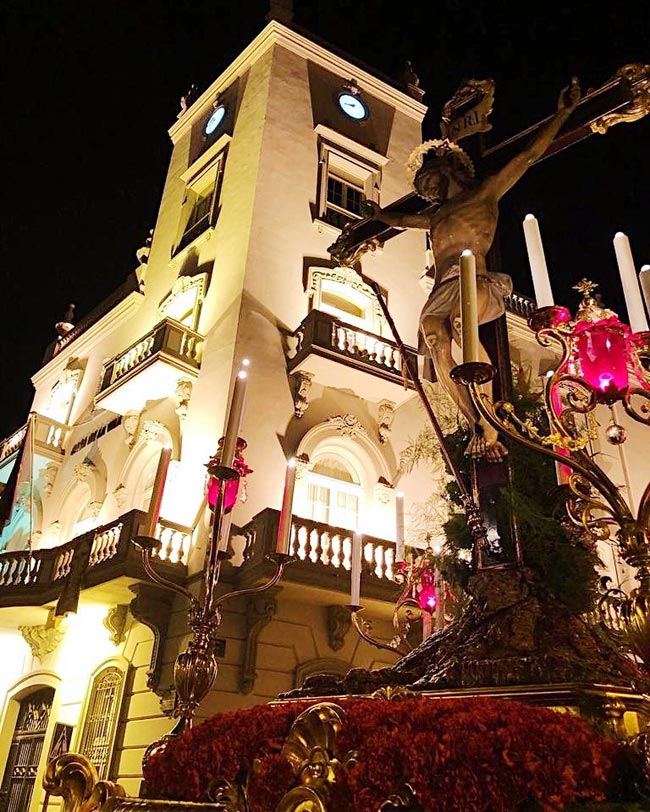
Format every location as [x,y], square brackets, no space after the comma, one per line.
[514,169]
[394,218]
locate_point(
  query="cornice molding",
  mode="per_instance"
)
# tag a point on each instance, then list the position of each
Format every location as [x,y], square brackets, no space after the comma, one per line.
[277,34]
[82,346]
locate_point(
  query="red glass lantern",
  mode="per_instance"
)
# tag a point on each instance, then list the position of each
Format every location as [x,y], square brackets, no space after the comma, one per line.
[427,595]
[601,352]
[232,485]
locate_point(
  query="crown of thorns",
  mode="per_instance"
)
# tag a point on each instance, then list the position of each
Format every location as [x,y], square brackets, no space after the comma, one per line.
[442,148]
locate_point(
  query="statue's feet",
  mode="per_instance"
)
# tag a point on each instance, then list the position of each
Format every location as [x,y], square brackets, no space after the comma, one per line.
[486,446]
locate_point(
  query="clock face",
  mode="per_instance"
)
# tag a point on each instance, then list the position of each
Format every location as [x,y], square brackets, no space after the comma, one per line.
[352,106]
[215,120]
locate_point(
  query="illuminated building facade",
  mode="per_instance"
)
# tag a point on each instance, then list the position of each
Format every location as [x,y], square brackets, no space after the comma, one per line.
[267,165]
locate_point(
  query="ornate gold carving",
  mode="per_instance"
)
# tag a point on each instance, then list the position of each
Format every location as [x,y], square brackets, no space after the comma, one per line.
[228,796]
[347,252]
[394,693]
[637,77]
[311,750]
[73,778]
[338,625]
[45,638]
[403,801]
[467,112]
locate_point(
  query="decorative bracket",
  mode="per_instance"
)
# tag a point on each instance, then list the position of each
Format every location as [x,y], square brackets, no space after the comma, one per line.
[385,417]
[115,623]
[301,385]
[152,606]
[45,638]
[260,611]
[338,625]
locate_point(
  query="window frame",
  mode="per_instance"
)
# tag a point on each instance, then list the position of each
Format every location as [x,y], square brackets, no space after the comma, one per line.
[204,177]
[122,667]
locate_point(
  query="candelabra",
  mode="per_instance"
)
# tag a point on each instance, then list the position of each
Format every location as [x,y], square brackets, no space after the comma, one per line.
[195,669]
[422,597]
[601,363]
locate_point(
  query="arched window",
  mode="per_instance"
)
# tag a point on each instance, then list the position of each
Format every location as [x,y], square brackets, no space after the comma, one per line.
[25,750]
[334,492]
[101,717]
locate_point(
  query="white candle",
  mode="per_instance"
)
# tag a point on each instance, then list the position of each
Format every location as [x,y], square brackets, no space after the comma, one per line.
[284,525]
[644,281]
[234,418]
[631,290]
[468,308]
[537,262]
[355,570]
[158,490]
[399,531]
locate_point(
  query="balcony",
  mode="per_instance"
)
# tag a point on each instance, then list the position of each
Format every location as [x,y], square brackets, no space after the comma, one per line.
[49,438]
[326,346]
[322,556]
[89,561]
[150,368]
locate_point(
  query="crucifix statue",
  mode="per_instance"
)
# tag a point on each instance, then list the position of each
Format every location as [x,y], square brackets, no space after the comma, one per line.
[463,214]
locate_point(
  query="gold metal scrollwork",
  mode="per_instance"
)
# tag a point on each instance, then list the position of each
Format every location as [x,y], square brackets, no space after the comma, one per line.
[311,750]
[403,801]
[637,77]
[73,778]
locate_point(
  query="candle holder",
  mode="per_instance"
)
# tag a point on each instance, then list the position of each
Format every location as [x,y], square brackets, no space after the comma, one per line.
[195,669]
[601,363]
[421,596]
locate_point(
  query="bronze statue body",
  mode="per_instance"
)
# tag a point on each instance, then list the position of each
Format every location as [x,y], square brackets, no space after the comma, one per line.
[463,214]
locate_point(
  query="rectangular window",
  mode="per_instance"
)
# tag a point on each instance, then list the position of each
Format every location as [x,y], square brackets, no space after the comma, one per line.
[335,504]
[200,207]
[344,200]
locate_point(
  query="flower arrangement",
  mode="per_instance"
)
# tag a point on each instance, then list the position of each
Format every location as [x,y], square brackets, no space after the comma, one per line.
[459,755]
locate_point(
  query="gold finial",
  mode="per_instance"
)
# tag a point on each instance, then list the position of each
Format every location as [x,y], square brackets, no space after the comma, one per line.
[585,286]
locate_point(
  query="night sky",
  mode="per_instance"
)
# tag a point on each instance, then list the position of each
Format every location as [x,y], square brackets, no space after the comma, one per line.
[90,89]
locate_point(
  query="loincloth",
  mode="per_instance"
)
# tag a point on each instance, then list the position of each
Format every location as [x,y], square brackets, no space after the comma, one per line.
[444,299]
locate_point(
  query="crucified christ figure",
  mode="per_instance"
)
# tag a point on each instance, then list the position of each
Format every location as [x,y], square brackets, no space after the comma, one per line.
[464,214]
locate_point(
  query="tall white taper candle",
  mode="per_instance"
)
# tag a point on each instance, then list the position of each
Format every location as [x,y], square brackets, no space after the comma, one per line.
[399,529]
[537,262]
[644,281]
[158,490]
[234,418]
[355,570]
[468,307]
[631,291]
[284,525]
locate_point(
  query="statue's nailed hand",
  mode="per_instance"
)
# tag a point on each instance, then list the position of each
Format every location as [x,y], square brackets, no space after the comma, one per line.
[570,96]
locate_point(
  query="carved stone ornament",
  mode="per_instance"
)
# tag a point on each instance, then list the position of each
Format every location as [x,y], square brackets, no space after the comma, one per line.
[45,638]
[120,494]
[302,465]
[47,477]
[339,621]
[93,510]
[301,384]
[130,425]
[385,418]
[260,611]
[115,623]
[54,530]
[23,495]
[83,471]
[637,77]
[182,395]
[151,430]
[467,112]
[347,425]
[383,491]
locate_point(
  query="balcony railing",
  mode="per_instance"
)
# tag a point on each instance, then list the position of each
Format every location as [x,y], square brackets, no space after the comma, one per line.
[169,339]
[98,556]
[322,554]
[323,335]
[49,436]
